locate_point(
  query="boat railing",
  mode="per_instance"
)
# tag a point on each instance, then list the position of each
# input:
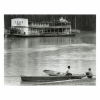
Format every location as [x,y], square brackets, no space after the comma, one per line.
[48,24]
[38,25]
[45,26]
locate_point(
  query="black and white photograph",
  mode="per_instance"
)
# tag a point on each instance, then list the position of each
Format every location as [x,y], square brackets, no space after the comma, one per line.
[50,49]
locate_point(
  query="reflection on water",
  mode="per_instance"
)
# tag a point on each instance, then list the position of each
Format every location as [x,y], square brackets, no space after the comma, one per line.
[30,56]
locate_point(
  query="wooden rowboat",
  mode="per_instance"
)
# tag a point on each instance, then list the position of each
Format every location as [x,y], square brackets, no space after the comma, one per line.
[53,76]
[50,78]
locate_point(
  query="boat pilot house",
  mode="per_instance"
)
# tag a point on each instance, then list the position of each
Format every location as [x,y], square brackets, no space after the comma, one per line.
[23,27]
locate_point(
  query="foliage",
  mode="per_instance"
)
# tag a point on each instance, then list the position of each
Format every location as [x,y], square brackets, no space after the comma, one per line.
[83,22]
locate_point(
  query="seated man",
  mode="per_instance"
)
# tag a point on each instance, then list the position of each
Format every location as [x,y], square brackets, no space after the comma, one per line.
[68,71]
[89,73]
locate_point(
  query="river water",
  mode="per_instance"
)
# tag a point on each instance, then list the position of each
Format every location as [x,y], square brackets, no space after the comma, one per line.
[30,56]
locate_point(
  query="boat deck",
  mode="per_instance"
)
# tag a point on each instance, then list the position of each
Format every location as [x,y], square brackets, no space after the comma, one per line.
[46,35]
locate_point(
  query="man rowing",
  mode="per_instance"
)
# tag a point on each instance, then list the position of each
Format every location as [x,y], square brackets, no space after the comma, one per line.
[89,73]
[68,71]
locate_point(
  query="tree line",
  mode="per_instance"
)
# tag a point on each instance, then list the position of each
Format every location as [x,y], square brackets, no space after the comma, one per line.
[83,22]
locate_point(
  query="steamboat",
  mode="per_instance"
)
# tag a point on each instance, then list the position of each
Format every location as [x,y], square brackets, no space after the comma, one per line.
[21,27]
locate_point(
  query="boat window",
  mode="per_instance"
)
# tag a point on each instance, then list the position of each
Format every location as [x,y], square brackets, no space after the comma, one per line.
[58,24]
[50,24]
[55,24]
[63,24]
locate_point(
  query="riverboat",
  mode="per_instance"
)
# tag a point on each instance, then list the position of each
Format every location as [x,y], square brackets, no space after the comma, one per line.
[23,28]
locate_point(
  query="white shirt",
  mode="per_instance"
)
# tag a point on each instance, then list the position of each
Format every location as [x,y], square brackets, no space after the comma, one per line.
[68,71]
